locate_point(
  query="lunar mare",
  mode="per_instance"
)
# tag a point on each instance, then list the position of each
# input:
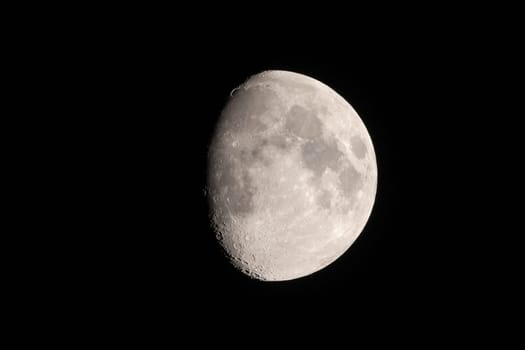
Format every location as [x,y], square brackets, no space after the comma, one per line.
[292,176]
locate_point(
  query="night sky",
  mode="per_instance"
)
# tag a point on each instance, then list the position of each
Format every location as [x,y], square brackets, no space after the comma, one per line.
[426,98]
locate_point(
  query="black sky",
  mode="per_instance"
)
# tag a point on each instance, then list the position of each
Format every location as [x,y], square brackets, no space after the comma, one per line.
[426,96]
[413,105]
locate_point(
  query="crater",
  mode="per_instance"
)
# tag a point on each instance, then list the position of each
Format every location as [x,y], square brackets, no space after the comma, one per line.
[303,122]
[358,147]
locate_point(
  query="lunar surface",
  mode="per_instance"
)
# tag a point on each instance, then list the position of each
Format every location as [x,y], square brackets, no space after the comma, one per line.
[292,176]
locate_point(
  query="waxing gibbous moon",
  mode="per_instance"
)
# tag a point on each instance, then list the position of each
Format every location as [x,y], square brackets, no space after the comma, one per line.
[292,176]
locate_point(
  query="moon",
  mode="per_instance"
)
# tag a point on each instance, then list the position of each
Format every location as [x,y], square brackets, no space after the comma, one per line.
[291,176]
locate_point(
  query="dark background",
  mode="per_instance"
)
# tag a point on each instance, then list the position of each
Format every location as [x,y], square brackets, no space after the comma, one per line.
[145,96]
[416,102]
[417,109]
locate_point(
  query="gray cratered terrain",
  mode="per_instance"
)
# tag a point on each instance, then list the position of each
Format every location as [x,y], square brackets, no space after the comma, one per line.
[292,176]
